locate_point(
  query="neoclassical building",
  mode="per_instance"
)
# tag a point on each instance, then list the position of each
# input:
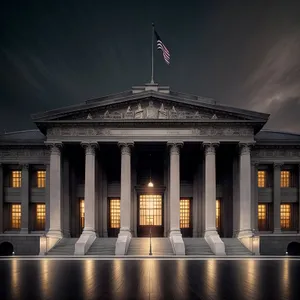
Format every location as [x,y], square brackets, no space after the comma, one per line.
[101,176]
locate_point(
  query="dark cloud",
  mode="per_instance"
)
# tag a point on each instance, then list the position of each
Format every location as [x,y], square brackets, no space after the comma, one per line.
[57,53]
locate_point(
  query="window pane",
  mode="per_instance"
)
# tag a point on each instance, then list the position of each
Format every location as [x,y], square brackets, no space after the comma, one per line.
[81,213]
[218,214]
[41,179]
[285,179]
[151,210]
[185,212]
[262,217]
[16,216]
[16,177]
[261,179]
[115,217]
[40,216]
[285,216]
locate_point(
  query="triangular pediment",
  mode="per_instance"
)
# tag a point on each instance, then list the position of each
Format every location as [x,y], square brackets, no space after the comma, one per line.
[149,105]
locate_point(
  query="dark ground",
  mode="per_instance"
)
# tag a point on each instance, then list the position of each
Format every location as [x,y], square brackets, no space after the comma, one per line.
[149,279]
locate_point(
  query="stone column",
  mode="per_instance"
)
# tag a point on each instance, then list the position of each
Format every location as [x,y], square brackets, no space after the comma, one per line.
[277,196]
[210,190]
[47,199]
[254,195]
[25,199]
[90,189]
[210,232]
[1,199]
[245,191]
[66,197]
[174,196]
[298,197]
[55,230]
[124,236]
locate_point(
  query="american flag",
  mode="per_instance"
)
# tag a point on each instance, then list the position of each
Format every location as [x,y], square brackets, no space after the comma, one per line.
[161,46]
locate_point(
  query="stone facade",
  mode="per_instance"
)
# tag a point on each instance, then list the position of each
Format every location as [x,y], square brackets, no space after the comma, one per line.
[98,152]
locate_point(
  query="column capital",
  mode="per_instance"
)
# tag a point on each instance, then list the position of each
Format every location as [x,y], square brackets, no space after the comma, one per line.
[245,148]
[210,148]
[254,163]
[55,147]
[175,147]
[125,147]
[277,165]
[89,147]
[24,166]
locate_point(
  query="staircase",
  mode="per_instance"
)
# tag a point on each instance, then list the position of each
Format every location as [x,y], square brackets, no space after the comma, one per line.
[141,246]
[234,247]
[196,246]
[66,246]
[103,246]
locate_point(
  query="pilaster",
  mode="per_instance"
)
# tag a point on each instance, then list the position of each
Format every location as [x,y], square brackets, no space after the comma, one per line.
[1,198]
[245,191]
[277,196]
[66,197]
[55,230]
[175,234]
[47,199]
[125,235]
[25,199]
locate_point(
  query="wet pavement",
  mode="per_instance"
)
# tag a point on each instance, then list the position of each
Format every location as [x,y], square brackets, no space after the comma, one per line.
[149,279]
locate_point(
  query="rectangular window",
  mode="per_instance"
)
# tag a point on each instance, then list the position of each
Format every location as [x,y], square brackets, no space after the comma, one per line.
[81,213]
[114,210]
[40,217]
[185,213]
[151,210]
[285,179]
[16,216]
[16,178]
[262,212]
[285,216]
[262,179]
[218,214]
[41,179]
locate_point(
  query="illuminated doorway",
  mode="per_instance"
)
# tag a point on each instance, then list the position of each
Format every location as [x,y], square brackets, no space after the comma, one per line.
[150,216]
[81,214]
[218,216]
[114,218]
[186,217]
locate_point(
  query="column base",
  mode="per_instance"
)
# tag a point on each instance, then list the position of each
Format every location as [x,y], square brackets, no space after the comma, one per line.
[244,233]
[277,231]
[215,243]
[177,242]
[24,231]
[85,241]
[123,241]
[52,238]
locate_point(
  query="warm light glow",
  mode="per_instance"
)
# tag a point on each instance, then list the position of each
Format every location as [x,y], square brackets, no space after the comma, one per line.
[150,184]
[211,276]
[40,216]
[285,177]
[261,179]
[185,212]
[15,282]
[16,178]
[45,277]
[115,214]
[262,216]
[81,213]
[218,214]
[15,216]
[41,179]
[285,281]
[151,210]
[285,216]
[89,277]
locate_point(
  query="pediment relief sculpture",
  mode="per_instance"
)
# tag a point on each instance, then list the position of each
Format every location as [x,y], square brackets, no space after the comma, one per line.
[152,110]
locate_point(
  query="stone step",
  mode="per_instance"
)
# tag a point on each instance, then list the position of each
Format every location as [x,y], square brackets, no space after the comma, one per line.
[234,247]
[141,246]
[103,246]
[196,246]
[66,246]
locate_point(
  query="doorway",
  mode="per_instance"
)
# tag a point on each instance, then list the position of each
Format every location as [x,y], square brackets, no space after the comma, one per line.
[150,216]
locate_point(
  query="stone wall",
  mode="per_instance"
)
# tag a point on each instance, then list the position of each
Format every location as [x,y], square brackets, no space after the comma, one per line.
[276,244]
[23,245]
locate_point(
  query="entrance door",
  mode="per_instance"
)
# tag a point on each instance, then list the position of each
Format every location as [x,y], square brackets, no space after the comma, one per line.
[218,217]
[186,217]
[150,216]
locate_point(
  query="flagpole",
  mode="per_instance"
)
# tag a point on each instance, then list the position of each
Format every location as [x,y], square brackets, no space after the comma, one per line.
[152,68]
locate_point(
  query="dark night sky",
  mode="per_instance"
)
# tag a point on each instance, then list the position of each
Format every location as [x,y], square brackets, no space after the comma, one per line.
[242,53]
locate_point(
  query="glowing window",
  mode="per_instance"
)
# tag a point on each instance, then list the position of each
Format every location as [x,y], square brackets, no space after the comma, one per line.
[41,179]
[15,216]
[81,213]
[185,213]
[115,216]
[285,216]
[261,179]
[16,178]
[285,177]
[151,210]
[262,216]
[218,214]
[40,216]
